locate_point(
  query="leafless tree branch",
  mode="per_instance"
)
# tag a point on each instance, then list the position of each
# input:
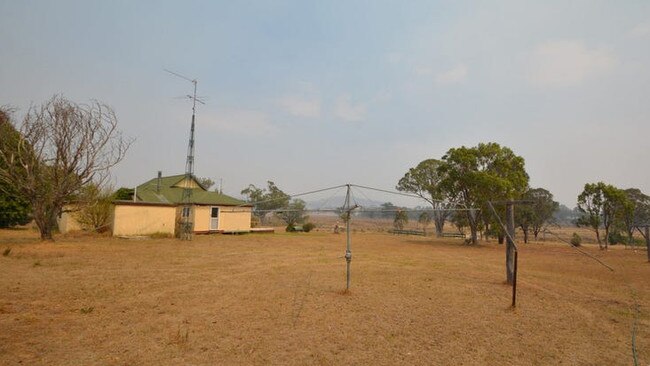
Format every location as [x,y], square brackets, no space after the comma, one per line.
[63,146]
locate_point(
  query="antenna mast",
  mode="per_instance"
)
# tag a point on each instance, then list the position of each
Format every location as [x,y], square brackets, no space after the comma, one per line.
[186,213]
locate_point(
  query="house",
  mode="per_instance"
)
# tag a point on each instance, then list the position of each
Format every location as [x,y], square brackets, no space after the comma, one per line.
[157,208]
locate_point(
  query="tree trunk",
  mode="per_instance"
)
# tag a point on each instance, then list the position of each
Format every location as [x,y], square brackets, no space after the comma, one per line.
[647,241]
[473,228]
[606,237]
[630,238]
[473,231]
[46,222]
[439,222]
[598,238]
[500,238]
[46,234]
[525,235]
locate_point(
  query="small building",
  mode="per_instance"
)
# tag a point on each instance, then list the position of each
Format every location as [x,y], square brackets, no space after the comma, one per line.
[158,208]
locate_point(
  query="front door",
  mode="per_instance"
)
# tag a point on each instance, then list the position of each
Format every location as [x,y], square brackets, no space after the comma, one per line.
[214,218]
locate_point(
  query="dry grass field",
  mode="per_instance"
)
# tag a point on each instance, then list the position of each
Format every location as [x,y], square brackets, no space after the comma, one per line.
[277,299]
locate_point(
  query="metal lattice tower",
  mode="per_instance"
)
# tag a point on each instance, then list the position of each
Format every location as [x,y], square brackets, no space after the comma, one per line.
[186,199]
[186,225]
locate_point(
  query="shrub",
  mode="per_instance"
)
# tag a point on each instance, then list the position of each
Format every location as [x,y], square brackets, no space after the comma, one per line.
[124,194]
[616,237]
[308,227]
[14,206]
[290,228]
[14,210]
[95,210]
[401,219]
[576,240]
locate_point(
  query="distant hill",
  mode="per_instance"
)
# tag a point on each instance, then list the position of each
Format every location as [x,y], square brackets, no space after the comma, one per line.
[337,202]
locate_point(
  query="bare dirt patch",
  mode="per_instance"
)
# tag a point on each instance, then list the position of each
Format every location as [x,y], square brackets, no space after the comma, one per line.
[279,299]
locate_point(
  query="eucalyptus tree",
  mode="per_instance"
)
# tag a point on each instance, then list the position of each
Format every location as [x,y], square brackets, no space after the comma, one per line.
[294,213]
[265,199]
[424,181]
[590,205]
[636,211]
[476,175]
[601,205]
[536,215]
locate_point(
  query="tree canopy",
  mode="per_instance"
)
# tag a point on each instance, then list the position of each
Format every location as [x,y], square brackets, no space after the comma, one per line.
[206,182]
[265,200]
[476,175]
[636,212]
[424,181]
[124,194]
[603,205]
[533,217]
[294,213]
[14,208]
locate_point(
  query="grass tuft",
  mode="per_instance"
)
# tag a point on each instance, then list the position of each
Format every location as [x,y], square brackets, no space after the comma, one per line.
[160,235]
[181,337]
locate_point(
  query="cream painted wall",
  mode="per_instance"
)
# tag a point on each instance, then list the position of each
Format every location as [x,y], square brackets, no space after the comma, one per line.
[230,218]
[143,219]
[238,219]
[202,218]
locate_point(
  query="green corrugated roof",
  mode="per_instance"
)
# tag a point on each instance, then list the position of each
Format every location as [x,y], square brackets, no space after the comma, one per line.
[148,192]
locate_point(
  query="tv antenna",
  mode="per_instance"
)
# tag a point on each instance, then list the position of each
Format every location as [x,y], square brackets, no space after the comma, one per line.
[186,213]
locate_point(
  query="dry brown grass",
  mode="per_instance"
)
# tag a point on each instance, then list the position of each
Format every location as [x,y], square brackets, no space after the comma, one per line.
[278,299]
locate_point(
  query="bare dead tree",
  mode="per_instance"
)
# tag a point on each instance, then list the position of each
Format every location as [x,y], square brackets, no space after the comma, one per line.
[63,146]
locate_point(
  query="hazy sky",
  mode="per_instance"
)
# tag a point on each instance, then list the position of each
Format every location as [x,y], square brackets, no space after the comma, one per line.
[316,94]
